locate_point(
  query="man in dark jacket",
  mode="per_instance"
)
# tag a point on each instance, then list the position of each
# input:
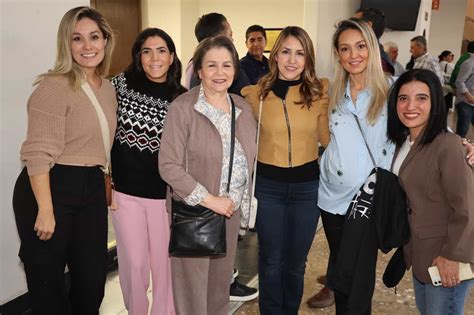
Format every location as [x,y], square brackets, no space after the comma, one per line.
[255,64]
[210,25]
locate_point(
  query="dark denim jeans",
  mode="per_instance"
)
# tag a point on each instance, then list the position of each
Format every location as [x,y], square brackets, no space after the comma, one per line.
[465,118]
[286,223]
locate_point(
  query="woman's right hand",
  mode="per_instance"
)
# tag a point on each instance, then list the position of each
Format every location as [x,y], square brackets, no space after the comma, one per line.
[45,224]
[219,204]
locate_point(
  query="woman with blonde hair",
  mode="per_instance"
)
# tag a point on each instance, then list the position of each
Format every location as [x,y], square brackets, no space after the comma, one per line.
[59,198]
[293,104]
[359,94]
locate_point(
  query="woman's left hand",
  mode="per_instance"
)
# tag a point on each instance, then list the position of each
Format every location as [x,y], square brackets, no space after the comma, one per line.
[470,151]
[448,270]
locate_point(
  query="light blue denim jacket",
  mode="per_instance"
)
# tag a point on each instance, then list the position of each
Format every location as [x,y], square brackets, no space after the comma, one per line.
[346,162]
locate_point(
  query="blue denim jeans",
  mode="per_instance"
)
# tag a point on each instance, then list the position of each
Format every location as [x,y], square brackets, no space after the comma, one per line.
[287,217]
[431,300]
[465,118]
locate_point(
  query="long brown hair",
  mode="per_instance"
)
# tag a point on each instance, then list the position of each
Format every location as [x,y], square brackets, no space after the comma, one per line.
[311,87]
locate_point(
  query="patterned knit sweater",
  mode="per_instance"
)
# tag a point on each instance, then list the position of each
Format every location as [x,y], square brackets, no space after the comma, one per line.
[142,108]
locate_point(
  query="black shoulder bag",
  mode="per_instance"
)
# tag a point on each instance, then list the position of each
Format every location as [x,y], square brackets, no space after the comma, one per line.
[196,230]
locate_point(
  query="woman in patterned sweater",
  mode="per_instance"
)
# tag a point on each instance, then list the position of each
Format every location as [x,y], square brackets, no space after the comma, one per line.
[144,91]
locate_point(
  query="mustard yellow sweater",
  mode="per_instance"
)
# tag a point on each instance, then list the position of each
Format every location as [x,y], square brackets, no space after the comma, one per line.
[308,126]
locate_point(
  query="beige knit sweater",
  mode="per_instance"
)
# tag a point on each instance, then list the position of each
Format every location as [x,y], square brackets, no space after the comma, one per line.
[63,126]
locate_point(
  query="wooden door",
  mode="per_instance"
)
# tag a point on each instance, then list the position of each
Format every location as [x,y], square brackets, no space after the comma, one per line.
[124,16]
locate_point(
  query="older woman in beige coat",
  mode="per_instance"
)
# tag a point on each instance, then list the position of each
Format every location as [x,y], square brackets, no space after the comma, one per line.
[194,161]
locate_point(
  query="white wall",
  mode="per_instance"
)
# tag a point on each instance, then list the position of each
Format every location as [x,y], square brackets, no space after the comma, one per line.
[446,28]
[329,13]
[153,16]
[28,47]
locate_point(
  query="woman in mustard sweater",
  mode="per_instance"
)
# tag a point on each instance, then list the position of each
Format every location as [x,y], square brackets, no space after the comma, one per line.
[294,119]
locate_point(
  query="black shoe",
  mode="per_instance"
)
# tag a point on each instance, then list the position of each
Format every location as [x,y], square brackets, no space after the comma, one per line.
[235,273]
[240,292]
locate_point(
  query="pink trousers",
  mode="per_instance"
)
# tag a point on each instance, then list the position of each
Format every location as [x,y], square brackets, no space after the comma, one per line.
[142,233]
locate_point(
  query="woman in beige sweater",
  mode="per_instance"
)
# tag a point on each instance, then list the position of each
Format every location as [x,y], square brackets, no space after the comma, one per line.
[59,197]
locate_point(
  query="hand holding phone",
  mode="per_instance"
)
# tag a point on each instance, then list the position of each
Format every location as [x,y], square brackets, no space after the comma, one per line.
[465,273]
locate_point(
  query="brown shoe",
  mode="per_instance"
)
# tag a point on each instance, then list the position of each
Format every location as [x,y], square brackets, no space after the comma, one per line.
[323,298]
[321,279]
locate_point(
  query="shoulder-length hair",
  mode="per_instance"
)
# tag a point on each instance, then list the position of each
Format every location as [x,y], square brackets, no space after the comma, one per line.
[397,132]
[376,80]
[311,87]
[173,77]
[65,64]
[215,42]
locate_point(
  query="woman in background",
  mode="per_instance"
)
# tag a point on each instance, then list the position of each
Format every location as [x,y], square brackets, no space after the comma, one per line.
[144,91]
[446,65]
[294,119]
[439,185]
[59,198]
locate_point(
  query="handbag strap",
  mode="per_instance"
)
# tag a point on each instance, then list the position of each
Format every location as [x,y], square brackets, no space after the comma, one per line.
[104,126]
[260,106]
[365,141]
[232,142]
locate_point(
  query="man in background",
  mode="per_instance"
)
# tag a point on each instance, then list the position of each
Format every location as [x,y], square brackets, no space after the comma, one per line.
[423,59]
[255,64]
[465,93]
[391,49]
[210,25]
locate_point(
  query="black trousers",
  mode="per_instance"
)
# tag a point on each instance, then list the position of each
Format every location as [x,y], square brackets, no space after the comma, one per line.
[358,302]
[448,99]
[79,241]
[333,225]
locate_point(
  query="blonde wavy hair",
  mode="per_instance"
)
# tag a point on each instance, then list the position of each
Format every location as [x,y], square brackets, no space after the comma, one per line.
[376,80]
[311,87]
[65,64]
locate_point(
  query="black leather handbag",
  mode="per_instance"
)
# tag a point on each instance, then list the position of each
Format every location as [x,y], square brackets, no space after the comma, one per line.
[197,231]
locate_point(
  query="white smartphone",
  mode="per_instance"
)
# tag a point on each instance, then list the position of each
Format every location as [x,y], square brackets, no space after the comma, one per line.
[465,273]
